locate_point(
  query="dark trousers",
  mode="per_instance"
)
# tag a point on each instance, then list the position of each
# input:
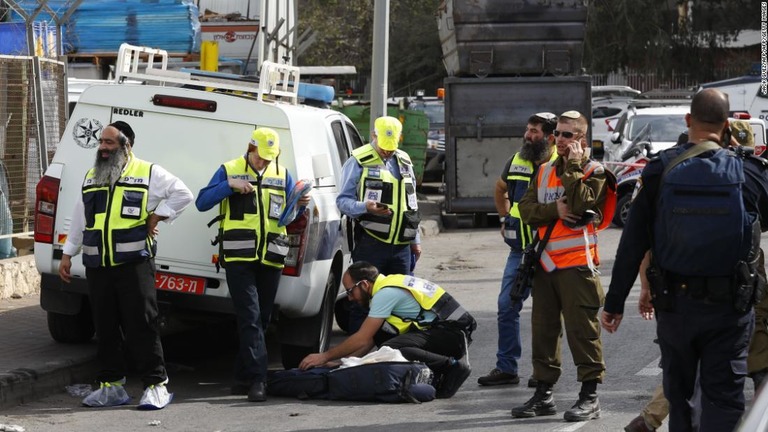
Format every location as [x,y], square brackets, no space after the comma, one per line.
[124,305]
[716,337]
[434,347]
[253,287]
[387,258]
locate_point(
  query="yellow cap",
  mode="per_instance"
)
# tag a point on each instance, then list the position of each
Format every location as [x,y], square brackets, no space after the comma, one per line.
[388,131]
[267,142]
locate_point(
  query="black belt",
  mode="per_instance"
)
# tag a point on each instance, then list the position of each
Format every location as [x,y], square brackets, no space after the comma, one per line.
[712,289]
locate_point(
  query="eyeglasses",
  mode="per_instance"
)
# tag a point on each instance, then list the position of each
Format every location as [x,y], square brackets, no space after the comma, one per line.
[352,288]
[567,135]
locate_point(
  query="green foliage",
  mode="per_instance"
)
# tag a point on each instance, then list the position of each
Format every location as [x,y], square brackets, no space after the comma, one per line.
[645,35]
[662,36]
[345,36]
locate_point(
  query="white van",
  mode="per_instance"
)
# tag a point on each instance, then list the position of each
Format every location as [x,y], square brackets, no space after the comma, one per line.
[747,94]
[191,132]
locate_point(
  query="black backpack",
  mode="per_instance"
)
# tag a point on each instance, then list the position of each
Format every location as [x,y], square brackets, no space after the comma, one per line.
[373,382]
[701,226]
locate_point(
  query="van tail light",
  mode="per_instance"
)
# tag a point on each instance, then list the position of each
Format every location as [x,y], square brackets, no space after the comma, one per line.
[608,123]
[297,231]
[741,115]
[47,195]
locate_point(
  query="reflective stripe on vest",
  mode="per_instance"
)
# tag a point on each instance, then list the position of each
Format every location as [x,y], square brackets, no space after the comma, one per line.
[378,184]
[429,296]
[248,230]
[567,247]
[116,217]
[520,173]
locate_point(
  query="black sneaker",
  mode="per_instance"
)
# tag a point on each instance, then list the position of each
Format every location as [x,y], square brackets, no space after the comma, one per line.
[497,377]
[586,408]
[542,403]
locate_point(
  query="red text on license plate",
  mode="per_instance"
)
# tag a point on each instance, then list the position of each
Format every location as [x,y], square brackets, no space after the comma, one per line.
[179,283]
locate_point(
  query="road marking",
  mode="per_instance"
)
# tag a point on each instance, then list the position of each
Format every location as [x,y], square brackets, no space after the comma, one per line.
[652,369]
[570,428]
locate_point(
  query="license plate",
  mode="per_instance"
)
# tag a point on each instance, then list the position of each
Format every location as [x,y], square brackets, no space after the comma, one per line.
[179,283]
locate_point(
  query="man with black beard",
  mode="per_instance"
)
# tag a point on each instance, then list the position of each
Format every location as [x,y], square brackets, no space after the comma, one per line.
[115,224]
[537,148]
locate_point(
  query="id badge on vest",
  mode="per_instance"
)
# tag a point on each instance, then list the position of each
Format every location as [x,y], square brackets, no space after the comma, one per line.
[373,195]
[412,201]
[275,206]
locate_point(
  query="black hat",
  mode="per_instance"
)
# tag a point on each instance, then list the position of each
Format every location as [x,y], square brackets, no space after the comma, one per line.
[125,129]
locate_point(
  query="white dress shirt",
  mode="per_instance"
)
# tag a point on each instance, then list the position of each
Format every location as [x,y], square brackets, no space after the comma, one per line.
[168,196]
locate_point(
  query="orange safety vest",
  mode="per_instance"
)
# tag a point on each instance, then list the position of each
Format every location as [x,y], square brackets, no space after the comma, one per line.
[568,247]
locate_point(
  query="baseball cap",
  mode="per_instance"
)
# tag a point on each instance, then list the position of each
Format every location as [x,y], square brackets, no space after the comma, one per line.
[742,131]
[267,142]
[388,131]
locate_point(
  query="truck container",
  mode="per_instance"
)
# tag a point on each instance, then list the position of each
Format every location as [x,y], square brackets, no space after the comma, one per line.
[510,37]
[486,120]
[506,60]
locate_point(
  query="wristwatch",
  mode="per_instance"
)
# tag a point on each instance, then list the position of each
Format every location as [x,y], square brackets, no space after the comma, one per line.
[502,219]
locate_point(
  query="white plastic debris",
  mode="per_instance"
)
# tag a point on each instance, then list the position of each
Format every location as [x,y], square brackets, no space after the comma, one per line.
[11,428]
[383,354]
[154,423]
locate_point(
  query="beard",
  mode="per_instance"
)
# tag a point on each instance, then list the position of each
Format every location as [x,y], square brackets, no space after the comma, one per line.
[534,151]
[107,170]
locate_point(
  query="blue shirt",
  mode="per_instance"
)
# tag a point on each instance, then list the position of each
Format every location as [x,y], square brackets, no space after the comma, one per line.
[218,189]
[351,172]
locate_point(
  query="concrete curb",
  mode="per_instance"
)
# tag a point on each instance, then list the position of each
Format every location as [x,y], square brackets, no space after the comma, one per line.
[24,385]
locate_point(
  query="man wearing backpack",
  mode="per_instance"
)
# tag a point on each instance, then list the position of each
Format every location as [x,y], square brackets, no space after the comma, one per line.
[413,315]
[568,202]
[700,211]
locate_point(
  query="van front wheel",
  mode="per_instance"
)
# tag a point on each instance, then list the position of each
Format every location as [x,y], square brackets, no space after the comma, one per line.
[72,329]
[318,327]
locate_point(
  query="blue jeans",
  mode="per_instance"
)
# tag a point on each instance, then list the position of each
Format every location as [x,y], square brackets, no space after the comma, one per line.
[508,318]
[253,287]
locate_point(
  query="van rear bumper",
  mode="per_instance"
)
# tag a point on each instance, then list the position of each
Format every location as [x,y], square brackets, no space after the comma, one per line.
[66,298]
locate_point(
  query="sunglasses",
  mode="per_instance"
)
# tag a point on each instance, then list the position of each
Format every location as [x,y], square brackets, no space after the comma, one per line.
[567,135]
[352,288]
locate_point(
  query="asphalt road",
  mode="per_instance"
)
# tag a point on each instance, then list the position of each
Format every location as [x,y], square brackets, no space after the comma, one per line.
[469,264]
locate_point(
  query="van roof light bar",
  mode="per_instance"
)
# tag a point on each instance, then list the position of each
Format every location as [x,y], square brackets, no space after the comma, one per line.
[277,82]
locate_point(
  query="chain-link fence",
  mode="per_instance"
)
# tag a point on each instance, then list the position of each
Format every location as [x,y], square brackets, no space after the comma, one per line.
[32,111]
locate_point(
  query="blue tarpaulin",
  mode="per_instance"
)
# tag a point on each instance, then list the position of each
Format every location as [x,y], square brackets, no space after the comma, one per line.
[100,26]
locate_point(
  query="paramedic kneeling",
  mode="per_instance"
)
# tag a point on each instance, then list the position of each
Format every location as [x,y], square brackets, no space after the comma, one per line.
[412,315]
